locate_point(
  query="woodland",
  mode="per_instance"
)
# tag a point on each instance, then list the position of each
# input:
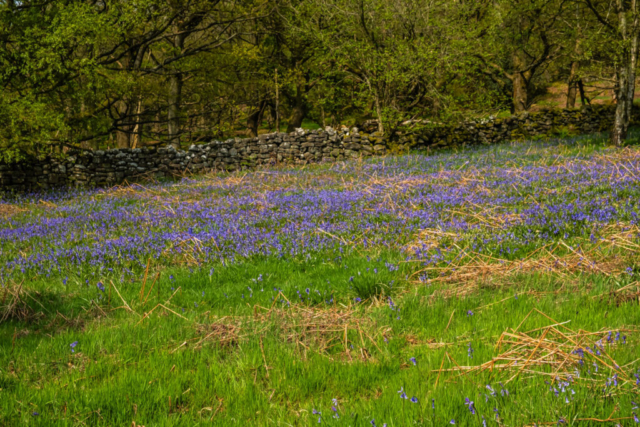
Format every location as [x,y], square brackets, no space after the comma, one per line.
[123,74]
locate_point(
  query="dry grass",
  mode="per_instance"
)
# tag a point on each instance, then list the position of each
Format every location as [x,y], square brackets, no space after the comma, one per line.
[220,332]
[336,330]
[610,256]
[13,305]
[7,210]
[332,332]
[555,351]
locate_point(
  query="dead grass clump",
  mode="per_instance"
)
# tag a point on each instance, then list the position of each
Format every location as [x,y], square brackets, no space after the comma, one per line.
[627,294]
[135,191]
[332,332]
[610,256]
[337,331]
[13,305]
[431,343]
[223,334]
[7,210]
[555,351]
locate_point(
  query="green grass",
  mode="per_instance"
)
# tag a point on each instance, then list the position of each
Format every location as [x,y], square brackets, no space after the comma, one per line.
[151,372]
[245,343]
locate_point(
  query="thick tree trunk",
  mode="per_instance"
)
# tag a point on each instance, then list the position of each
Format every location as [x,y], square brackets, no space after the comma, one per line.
[254,120]
[299,111]
[123,134]
[520,82]
[520,93]
[122,139]
[626,75]
[297,117]
[624,94]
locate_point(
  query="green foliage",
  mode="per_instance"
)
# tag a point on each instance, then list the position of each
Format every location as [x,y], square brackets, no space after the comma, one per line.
[124,74]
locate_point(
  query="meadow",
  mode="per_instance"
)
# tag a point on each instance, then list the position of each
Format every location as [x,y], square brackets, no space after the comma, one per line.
[491,286]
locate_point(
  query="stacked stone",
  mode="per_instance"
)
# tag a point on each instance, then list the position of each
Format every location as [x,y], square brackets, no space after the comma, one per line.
[591,119]
[110,167]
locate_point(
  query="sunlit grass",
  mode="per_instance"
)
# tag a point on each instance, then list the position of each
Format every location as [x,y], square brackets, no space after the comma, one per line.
[395,274]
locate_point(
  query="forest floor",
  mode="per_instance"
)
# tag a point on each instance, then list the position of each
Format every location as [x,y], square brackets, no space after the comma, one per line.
[490,286]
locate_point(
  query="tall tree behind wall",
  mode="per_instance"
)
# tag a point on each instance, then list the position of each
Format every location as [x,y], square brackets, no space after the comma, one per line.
[619,21]
[515,42]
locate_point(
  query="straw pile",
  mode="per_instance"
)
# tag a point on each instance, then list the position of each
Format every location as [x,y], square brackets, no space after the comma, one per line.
[331,332]
[556,351]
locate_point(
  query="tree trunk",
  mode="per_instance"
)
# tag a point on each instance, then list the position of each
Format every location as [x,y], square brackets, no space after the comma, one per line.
[624,94]
[520,93]
[572,85]
[520,84]
[376,98]
[299,111]
[175,97]
[123,134]
[626,75]
[91,144]
[136,136]
[173,112]
[254,120]
[584,99]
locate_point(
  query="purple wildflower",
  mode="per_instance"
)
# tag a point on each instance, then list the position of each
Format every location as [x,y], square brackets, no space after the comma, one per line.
[403,395]
[503,391]
[469,404]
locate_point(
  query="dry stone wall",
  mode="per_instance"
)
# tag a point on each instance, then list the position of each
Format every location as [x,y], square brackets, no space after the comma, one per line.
[110,167]
[552,122]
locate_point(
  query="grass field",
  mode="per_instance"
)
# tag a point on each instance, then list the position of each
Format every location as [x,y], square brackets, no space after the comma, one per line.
[491,286]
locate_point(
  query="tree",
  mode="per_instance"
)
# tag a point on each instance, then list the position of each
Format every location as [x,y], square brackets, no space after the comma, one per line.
[620,21]
[76,72]
[515,42]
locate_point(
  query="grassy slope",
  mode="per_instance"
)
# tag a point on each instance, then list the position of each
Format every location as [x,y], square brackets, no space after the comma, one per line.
[233,352]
